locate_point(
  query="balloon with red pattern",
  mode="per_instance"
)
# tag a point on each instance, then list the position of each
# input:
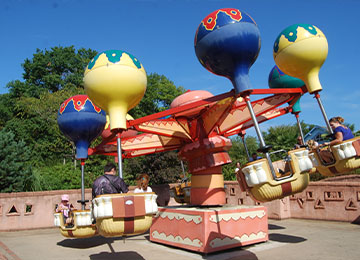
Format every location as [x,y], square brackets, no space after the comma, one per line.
[81,121]
[227,43]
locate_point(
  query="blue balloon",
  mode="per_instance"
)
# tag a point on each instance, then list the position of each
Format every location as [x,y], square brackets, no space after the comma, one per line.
[81,122]
[227,43]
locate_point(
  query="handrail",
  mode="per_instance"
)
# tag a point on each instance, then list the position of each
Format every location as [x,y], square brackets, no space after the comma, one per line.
[286,159]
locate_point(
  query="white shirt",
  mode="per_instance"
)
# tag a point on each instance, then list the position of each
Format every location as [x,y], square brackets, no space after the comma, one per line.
[138,190]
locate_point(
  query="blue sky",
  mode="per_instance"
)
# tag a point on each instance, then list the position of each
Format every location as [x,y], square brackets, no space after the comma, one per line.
[161,35]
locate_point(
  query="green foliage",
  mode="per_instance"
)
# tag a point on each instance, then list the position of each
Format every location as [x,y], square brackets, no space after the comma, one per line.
[15,172]
[238,154]
[281,137]
[51,71]
[67,174]
[161,167]
[58,177]
[36,123]
[30,109]
[357,133]
[317,176]
[5,109]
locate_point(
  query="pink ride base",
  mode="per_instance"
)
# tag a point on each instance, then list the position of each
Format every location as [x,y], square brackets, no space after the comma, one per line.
[210,229]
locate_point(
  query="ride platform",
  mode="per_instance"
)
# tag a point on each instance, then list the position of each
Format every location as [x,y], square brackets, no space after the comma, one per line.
[210,229]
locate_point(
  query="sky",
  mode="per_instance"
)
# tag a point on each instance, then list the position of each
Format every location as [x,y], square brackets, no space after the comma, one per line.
[160,33]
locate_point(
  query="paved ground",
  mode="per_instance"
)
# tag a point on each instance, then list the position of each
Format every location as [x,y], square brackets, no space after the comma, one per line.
[289,239]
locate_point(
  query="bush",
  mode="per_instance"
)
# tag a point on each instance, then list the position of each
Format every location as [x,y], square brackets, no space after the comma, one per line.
[15,170]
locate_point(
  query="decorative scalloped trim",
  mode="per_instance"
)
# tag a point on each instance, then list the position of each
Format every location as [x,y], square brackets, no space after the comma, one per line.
[237,216]
[188,218]
[218,242]
[178,239]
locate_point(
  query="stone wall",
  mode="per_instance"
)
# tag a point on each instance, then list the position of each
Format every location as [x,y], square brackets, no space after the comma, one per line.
[33,210]
[334,199]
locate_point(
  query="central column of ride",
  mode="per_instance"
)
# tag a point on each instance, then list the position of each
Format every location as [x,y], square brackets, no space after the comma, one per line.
[205,159]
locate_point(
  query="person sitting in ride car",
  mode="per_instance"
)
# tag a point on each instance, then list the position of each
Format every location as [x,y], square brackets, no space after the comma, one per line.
[142,183]
[341,132]
[65,208]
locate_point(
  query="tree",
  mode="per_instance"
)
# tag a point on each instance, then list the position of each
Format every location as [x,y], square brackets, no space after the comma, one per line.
[237,153]
[36,123]
[15,171]
[6,104]
[284,136]
[30,109]
[161,167]
[51,71]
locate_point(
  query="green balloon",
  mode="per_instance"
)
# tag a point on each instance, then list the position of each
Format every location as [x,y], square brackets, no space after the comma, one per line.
[278,79]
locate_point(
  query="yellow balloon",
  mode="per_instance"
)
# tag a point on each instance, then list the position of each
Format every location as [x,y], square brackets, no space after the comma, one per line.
[299,51]
[115,81]
[127,117]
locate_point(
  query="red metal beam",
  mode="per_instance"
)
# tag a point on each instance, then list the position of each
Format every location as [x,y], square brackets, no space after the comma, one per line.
[180,109]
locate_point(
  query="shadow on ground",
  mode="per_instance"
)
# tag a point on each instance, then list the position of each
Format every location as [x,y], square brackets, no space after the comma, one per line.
[275,227]
[83,243]
[286,238]
[117,255]
[231,254]
[356,221]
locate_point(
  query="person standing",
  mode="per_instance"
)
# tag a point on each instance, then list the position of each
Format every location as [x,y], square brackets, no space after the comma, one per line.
[109,182]
[238,167]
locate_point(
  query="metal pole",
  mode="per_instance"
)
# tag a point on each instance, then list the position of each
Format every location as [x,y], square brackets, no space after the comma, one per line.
[300,129]
[182,167]
[245,146]
[119,153]
[317,96]
[258,132]
[82,185]
[256,125]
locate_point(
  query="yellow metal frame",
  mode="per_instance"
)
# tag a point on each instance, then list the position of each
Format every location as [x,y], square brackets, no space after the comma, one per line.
[272,189]
[76,231]
[108,226]
[341,165]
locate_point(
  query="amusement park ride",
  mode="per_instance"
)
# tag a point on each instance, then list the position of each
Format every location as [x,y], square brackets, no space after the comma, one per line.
[198,124]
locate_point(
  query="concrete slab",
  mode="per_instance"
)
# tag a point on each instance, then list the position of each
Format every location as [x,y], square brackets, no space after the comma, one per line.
[288,239]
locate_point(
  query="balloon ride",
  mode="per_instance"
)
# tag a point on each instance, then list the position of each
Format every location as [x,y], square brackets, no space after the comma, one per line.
[197,125]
